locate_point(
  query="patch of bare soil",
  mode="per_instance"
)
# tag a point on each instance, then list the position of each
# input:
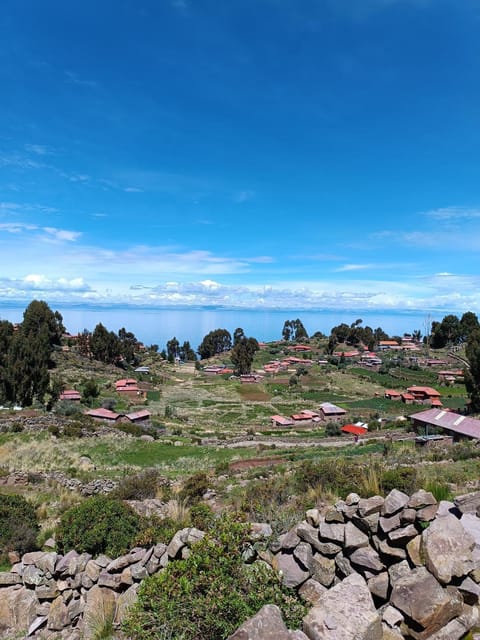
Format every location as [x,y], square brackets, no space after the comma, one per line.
[240,465]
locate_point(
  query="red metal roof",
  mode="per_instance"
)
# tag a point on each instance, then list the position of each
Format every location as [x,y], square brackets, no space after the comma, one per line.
[392,392]
[356,431]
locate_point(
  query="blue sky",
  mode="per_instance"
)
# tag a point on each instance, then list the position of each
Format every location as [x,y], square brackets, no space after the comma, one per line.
[267,153]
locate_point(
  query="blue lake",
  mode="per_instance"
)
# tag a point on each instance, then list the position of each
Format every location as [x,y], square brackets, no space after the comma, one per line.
[156,326]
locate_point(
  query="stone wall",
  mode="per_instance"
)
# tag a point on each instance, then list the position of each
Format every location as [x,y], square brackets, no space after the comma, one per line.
[370,569]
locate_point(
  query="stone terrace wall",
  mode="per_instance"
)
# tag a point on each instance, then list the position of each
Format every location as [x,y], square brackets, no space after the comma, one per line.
[370,569]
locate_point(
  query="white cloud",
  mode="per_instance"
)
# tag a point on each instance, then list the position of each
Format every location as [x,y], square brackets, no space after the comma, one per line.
[243,196]
[453,213]
[50,233]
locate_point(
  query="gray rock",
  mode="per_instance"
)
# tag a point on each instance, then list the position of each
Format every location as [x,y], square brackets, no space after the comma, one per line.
[32,557]
[408,516]
[389,524]
[47,562]
[103,561]
[398,570]
[333,515]
[332,532]
[125,601]
[58,617]
[421,499]
[303,554]
[413,551]
[421,598]
[352,499]
[306,532]
[17,608]
[345,611]
[394,502]
[457,628]
[291,539]
[159,549]
[367,559]
[267,624]
[368,524]
[100,608]
[389,553]
[312,516]
[292,574]
[427,514]
[447,549]
[329,549]
[354,538]
[468,503]
[7,579]
[400,536]
[379,585]
[392,617]
[36,624]
[110,580]
[47,591]
[369,506]
[33,576]
[344,568]
[138,571]
[119,563]
[323,570]
[311,590]
[92,569]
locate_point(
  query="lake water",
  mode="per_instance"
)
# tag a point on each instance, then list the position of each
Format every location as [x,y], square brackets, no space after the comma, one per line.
[156,326]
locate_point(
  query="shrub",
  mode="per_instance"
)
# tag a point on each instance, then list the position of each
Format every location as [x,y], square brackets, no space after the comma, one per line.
[209,594]
[18,524]
[332,429]
[98,525]
[194,488]
[137,487]
[401,478]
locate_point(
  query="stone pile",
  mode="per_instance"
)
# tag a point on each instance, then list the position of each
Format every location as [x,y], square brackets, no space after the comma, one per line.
[393,568]
[48,595]
[382,569]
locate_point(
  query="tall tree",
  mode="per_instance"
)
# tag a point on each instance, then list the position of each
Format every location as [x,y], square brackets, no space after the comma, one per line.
[104,345]
[214,343]
[243,353]
[472,373]
[173,349]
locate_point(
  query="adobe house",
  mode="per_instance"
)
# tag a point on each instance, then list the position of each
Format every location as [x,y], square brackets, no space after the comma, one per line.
[331,413]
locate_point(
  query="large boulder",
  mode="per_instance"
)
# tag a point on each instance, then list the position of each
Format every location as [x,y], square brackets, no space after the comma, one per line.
[345,611]
[267,624]
[447,549]
[17,608]
[424,602]
[99,611]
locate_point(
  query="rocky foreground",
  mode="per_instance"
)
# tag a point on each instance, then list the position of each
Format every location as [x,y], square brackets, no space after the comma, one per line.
[370,569]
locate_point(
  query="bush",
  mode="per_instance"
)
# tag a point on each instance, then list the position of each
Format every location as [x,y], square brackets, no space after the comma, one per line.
[209,594]
[138,487]
[332,429]
[194,488]
[18,524]
[401,478]
[98,525]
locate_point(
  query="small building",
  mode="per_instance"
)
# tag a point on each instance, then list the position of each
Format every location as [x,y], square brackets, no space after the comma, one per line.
[408,398]
[331,413]
[103,414]
[354,430]
[301,347]
[281,421]
[391,394]
[72,395]
[142,370]
[250,378]
[138,416]
[452,423]
[425,395]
